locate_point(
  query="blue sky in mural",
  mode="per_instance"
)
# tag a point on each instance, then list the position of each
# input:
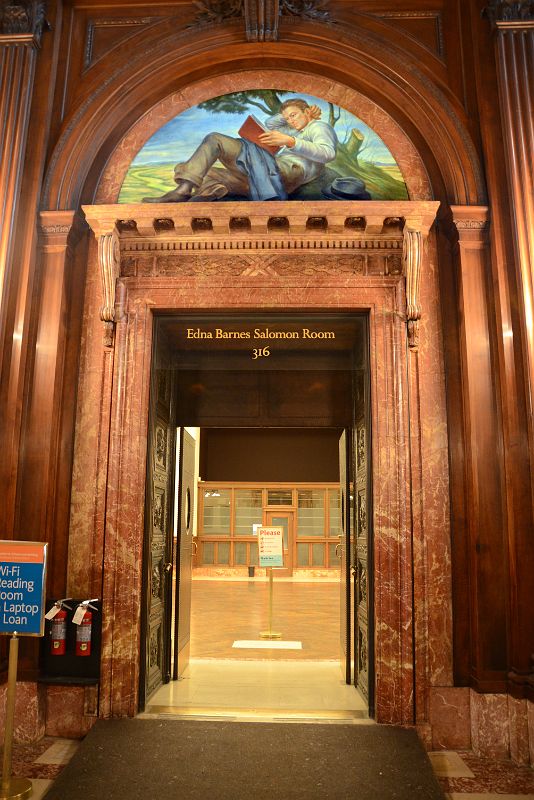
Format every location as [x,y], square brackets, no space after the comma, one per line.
[175,140]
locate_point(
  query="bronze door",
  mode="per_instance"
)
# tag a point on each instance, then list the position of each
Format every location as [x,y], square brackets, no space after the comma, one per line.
[157,563]
[362,562]
[343,551]
[184,552]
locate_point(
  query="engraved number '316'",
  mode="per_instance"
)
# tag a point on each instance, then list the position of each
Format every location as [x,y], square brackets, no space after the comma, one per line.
[262,352]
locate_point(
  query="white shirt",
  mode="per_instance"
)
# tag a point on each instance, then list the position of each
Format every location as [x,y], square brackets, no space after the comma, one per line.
[315,145]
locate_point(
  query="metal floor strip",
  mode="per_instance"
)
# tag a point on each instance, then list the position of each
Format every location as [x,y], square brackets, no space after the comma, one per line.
[257,714]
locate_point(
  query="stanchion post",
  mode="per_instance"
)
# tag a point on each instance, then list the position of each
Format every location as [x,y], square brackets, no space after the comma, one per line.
[12,788]
[270,634]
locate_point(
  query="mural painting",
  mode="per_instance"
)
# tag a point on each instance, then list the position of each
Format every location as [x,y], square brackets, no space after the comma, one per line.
[264,144]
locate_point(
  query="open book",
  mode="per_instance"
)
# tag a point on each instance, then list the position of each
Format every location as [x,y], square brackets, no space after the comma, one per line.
[251,130]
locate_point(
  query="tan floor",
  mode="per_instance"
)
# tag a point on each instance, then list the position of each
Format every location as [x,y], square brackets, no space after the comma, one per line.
[273,689]
[225,611]
[265,683]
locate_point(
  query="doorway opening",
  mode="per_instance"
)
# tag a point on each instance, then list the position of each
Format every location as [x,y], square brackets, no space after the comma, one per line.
[258,422]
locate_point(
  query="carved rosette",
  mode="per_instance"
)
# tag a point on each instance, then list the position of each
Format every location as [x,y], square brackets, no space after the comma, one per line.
[413,254]
[109,262]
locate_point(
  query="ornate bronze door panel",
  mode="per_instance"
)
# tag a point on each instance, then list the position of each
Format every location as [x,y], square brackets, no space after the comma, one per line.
[157,567]
[184,554]
[362,551]
[343,551]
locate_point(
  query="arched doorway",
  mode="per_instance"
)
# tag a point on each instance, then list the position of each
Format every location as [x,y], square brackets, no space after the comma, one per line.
[122,376]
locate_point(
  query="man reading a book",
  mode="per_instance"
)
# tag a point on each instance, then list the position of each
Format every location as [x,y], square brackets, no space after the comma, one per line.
[267,163]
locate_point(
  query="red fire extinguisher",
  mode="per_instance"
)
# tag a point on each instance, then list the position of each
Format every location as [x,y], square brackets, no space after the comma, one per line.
[84,630]
[58,637]
[58,628]
[83,635]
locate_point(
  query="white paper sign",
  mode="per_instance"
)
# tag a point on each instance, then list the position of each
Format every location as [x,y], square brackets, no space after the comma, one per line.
[271,547]
[53,611]
[79,614]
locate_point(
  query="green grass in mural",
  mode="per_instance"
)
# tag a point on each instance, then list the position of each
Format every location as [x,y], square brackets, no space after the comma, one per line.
[382,182]
[148,180]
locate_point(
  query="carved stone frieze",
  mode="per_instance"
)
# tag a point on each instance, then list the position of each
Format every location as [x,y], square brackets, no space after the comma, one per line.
[258,264]
[109,262]
[24,16]
[510,10]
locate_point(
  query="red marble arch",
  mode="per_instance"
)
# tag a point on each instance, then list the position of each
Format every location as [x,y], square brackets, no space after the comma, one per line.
[163,63]
[403,150]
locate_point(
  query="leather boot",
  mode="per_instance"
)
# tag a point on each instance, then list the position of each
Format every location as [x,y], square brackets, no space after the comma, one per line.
[181,194]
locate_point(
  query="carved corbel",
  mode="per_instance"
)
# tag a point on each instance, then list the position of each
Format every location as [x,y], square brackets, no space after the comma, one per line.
[109,263]
[413,255]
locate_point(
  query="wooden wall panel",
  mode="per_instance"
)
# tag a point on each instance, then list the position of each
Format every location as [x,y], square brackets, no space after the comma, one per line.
[445,50]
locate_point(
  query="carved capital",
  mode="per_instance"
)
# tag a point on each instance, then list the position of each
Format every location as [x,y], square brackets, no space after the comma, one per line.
[413,255]
[60,229]
[510,11]
[22,17]
[471,224]
[109,263]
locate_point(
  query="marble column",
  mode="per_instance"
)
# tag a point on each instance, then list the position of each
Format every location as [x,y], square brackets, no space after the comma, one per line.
[513,24]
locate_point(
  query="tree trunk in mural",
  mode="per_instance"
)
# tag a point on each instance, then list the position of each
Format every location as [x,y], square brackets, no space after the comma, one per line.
[362,551]
[155,657]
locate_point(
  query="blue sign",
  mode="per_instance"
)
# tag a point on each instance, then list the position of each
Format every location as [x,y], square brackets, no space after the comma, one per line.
[22,587]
